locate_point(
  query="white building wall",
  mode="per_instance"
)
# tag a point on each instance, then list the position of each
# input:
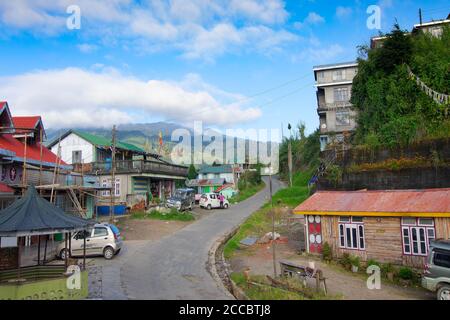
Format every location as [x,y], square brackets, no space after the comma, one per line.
[75,143]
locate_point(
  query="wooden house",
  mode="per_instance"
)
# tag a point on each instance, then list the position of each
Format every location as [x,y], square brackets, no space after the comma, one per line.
[393,226]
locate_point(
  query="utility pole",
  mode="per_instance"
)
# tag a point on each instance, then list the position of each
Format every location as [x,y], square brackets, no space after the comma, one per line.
[420,16]
[113,174]
[290,155]
[273,224]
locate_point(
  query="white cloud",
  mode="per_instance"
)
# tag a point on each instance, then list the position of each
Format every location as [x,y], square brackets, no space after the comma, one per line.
[320,55]
[85,98]
[313,18]
[187,26]
[87,48]
[343,12]
[270,11]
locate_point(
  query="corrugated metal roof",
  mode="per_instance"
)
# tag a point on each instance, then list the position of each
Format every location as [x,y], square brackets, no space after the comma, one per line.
[105,142]
[401,201]
[216,169]
[16,147]
[205,182]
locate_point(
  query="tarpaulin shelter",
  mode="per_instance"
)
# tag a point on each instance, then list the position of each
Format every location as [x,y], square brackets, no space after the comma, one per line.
[33,215]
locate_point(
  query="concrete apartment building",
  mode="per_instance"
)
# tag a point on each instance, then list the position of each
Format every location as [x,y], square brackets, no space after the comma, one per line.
[334,85]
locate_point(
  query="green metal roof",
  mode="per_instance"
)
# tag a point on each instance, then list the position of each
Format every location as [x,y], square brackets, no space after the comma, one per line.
[105,142]
[216,169]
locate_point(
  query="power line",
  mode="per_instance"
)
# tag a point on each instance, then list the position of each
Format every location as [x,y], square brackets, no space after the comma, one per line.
[261,93]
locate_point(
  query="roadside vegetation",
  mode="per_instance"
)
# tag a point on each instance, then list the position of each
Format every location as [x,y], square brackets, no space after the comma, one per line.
[392,108]
[260,288]
[260,222]
[249,184]
[172,215]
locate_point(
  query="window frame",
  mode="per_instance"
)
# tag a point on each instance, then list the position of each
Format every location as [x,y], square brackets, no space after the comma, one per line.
[417,229]
[344,227]
[338,94]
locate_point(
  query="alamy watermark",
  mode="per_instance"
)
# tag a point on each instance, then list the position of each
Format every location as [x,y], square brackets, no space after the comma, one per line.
[374,19]
[374,280]
[236,146]
[73,22]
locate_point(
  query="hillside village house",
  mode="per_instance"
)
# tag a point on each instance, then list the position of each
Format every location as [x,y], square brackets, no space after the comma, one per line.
[334,86]
[24,161]
[139,176]
[223,178]
[21,143]
[393,226]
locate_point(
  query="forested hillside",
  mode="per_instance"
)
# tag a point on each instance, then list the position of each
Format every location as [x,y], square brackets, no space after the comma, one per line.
[392,107]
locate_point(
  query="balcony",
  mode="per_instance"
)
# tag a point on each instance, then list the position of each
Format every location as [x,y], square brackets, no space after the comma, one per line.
[138,166]
[323,107]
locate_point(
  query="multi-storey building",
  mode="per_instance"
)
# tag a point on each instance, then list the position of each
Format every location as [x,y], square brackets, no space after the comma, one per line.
[334,85]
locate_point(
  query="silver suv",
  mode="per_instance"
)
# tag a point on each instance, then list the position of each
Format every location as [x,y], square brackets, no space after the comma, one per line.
[103,239]
[436,275]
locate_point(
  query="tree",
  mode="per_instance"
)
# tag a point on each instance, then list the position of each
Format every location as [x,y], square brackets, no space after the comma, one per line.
[192,172]
[392,109]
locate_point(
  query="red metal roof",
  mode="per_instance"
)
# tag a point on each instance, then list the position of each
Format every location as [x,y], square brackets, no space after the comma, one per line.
[224,187]
[4,188]
[26,122]
[391,201]
[8,142]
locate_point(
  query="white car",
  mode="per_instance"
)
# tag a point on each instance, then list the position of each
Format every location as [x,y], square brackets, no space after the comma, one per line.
[102,240]
[211,201]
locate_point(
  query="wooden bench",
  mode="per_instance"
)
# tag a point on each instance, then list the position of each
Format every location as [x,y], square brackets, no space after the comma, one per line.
[290,269]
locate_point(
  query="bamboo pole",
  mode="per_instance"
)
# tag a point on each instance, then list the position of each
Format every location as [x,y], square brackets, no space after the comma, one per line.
[113,177]
[24,171]
[41,137]
[54,172]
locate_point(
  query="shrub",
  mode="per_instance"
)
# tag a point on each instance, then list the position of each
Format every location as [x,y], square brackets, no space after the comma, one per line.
[327,253]
[373,262]
[387,268]
[355,260]
[405,273]
[345,261]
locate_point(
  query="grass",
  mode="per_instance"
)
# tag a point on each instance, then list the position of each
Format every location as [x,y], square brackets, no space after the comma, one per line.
[267,292]
[172,215]
[260,222]
[247,193]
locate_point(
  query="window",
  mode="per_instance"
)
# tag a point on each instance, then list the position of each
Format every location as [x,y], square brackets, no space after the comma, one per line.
[351,233]
[107,183]
[342,118]
[416,235]
[321,75]
[76,156]
[338,75]
[212,196]
[100,232]
[341,94]
[441,258]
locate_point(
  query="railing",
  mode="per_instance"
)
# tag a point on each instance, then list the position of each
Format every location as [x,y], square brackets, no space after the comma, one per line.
[139,166]
[334,106]
[33,273]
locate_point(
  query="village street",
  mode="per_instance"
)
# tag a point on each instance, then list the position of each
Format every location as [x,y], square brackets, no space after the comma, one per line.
[173,267]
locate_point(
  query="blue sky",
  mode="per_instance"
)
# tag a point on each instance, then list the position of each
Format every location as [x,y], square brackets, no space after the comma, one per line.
[232,64]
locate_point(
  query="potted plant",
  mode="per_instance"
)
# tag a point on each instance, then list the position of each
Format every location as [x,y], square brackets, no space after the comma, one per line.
[355,261]
[388,270]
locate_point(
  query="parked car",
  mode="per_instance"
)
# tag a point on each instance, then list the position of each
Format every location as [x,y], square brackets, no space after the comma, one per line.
[211,201]
[182,199]
[102,240]
[436,277]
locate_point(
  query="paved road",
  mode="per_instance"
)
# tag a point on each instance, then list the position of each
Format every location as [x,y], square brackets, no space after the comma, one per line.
[174,267]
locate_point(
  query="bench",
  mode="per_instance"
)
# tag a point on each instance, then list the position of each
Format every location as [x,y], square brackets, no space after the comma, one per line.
[291,269]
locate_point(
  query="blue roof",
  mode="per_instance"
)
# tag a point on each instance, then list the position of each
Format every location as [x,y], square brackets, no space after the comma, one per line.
[227,168]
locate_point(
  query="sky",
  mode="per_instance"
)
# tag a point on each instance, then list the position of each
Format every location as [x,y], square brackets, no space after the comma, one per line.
[229,63]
